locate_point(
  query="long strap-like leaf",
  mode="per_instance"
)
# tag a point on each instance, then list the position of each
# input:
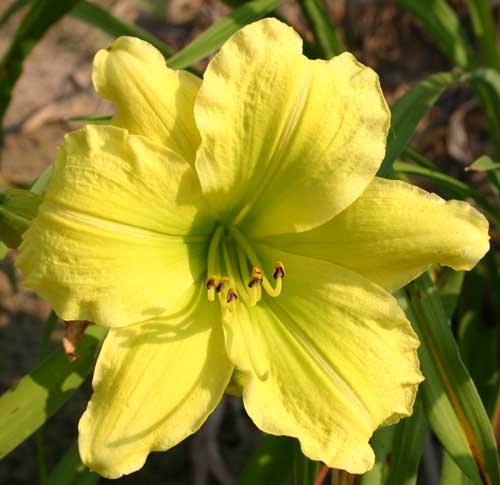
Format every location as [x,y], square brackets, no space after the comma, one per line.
[451,402]
[219,32]
[42,15]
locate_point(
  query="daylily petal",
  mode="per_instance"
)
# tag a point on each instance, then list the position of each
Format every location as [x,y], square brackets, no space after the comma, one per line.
[155,384]
[393,233]
[152,100]
[122,230]
[342,361]
[287,142]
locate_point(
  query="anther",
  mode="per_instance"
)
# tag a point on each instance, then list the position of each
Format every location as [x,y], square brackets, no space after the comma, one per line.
[210,282]
[222,284]
[279,270]
[231,295]
[257,277]
[210,285]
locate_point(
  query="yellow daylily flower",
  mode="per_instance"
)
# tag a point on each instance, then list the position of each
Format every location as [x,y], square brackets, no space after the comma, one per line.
[235,224]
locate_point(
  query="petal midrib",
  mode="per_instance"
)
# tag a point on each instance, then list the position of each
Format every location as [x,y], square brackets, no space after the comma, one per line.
[281,147]
[294,330]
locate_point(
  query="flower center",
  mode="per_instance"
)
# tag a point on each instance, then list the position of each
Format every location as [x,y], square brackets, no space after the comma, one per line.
[234,269]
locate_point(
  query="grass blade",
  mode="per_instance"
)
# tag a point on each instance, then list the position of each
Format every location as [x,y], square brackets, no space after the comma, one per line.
[304,469]
[100,18]
[381,442]
[17,209]
[271,462]
[456,187]
[409,109]
[451,473]
[444,26]
[218,33]
[407,447]
[324,32]
[11,10]
[483,24]
[71,471]
[451,401]
[42,15]
[39,394]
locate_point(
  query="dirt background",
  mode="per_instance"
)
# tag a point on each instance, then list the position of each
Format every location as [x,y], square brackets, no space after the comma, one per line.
[56,85]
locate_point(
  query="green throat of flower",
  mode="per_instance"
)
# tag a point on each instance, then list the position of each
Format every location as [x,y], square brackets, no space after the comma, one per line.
[234,269]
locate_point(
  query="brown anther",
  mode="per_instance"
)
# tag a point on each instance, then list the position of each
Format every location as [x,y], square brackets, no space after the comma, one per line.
[279,270]
[231,295]
[257,277]
[257,273]
[254,282]
[222,284]
[210,282]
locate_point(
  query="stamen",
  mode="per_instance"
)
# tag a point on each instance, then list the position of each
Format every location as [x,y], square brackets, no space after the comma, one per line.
[257,277]
[231,295]
[222,284]
[210,284]
[278,274]
[211,262]
[279,270]
[255,286]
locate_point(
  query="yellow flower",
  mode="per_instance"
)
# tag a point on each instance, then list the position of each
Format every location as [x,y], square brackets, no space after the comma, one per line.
[237,223]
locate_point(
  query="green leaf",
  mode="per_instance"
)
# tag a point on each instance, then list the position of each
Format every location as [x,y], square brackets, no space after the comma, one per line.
[39,394]
[449,284]
[304,469]
[17,209]
[100,18]
[381,443]
[444,26]
[271,462]
[407,447]
[478,329]
[12,9]
[475,333]
[458,188]
[324,31]
[483,24]
[409,109]
[42,182]
[218,33]
[48,327]
[3,250]
[42,15]
[90,118]
[483,164]
[451,402]
[486,164]
[451,473]
[71,471]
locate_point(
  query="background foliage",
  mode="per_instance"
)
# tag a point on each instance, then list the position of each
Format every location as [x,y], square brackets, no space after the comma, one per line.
[440,68]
